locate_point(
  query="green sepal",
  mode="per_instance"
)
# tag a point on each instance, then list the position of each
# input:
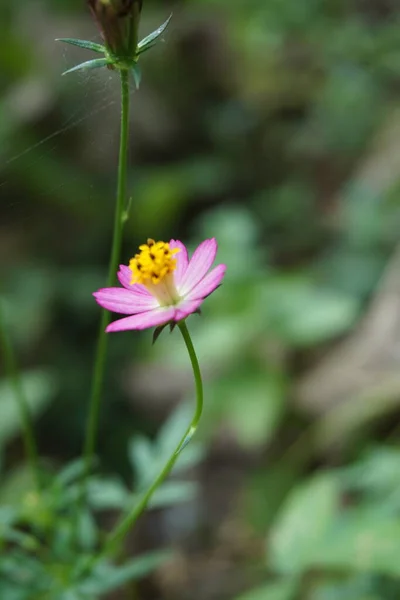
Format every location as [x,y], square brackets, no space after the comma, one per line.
[83,44]
[185,442]
[158,331]
[137,75]
[150,40]
[96,63]
[125,215]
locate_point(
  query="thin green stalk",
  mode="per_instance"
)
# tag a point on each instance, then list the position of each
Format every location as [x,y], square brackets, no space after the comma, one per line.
[127,522]
[15,381]
[101,349]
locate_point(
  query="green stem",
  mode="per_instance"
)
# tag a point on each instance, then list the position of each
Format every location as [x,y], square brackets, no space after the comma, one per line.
[23,407]
[100,357]
[127,522]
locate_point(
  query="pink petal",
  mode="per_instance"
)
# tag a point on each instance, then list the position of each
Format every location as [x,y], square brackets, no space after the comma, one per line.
[125,278]
[152,318]
[124,301]
[182,260]
[208,284]
[186,308]
[199,264]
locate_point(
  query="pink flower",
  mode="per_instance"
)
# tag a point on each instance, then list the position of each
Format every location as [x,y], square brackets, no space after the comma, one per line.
[161,285]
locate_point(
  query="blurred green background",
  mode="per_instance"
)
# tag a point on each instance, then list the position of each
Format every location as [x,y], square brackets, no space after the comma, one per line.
[273,125]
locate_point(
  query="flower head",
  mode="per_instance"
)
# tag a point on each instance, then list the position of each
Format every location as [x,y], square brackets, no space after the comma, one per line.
[161,285]
[119,23]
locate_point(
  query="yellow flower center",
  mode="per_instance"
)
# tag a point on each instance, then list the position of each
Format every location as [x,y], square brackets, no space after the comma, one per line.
[153,267]
[153,263]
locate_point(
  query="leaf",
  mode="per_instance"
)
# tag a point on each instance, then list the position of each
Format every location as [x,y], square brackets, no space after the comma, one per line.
[303,314]
[83,44]
[173,492]
[283,590]
[301,527]
[173,429]
[8,515]
[28,571]
[105,494]
[63,536]
[87,530]
[70,473]
[312,532]
[96,63]
[16,485]
[26,541]
[255,406]
[252,400]
[170,435]
[362,541]
[150,39]
[141,456]
[190,458]
[376,473]
[107,578]
[359,587]
[39,387]
[147,459]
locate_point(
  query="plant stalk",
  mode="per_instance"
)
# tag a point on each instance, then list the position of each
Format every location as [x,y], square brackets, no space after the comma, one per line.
[127,522]
[101,349]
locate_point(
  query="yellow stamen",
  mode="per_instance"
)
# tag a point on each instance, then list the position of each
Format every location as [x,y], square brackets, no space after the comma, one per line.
[154,262]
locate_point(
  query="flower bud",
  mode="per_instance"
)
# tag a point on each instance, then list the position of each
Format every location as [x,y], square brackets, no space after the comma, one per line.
[119,22]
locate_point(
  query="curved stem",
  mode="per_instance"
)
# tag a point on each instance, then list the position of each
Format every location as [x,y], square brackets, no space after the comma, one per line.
[101,349]
[23,407]
[126,524]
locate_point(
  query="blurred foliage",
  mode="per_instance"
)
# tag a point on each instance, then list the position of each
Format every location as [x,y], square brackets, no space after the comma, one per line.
[273,126]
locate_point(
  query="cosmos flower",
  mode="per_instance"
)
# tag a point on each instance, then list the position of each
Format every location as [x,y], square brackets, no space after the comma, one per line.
[161,285]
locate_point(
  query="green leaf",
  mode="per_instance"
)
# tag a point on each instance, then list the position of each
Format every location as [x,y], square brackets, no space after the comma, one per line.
[96,63]
[255,406]
[8,515]
[362,541]
[283,590]
[105,494]
[63,536]
[173,429]
[24,540]
[302,313]
[192,456]
[70,473]
[107,578]
[83,44]
[147,458]
[16,485]
[172,493]
[361,587]
[141,456]
[150,39]
[87,530]
[377,474]
[252,400]
[303,523]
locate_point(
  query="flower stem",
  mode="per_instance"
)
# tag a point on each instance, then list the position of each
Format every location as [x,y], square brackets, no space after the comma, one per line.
[127,522]
[23,407]
[101,349]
